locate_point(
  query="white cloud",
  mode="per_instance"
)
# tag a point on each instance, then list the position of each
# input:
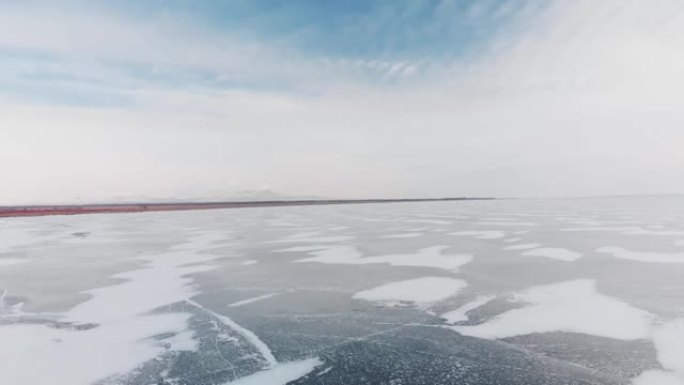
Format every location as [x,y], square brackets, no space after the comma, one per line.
[581,99]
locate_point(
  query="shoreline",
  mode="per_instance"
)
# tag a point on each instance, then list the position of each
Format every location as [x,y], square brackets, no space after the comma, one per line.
[115,208]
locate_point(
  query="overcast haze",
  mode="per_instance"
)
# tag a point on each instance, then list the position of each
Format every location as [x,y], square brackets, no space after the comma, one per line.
[170,99]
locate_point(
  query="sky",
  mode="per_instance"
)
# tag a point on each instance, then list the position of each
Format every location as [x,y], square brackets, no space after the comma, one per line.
[127,100]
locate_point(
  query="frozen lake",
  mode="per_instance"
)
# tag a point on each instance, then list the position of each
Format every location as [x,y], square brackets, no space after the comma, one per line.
[575,291]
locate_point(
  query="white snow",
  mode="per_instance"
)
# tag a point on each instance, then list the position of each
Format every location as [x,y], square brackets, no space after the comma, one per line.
[252,300]
[280,374]
[669,343]
[508,223]
[430,221]
[403,235]
[511,240]
[427,257]
[522,246]
[125,322]
[249,262]
[572,306]
[461,314]
[642,256]
[481,234]
[658,377]
[420,291]
[313,237]
[627,230]
[554,253]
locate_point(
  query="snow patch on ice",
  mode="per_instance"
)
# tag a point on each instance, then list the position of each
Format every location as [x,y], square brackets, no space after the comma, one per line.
[508,223]
[627,230]
[280,374]
[642,256]
[522,246]
[421,291]
[252,300]
[12,261]
[572,306]
[249,262]
[461,314]
[403,235]
[427,257]
[124,326]
[554,253]
[669,343]
[481,234]
[313,237]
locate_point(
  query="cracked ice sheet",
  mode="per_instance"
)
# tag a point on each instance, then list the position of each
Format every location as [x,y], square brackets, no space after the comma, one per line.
[121,325]
[642,256]
[427,257]
[572,306]
[421,291]
[554,253]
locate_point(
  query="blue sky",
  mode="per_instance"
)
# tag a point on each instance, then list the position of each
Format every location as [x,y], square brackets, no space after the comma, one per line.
[103,101]
[354,28]
[384,43]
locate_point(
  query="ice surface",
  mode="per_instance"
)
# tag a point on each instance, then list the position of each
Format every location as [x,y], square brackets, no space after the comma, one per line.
[178,298]
[428,257]
[554,253]
[572,306]
[423,290]
[461,314]
[642,256]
